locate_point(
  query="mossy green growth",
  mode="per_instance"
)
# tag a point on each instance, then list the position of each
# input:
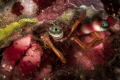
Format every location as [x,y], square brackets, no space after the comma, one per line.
[67,16]
[8,30]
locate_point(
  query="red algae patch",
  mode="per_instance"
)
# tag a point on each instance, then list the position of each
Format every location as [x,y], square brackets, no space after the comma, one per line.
[17,8]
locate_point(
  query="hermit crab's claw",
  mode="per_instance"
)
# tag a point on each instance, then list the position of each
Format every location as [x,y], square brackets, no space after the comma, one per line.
[78,21]
[48,42]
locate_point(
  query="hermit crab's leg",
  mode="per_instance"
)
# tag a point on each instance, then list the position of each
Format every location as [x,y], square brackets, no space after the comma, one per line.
[77,22]
[79,42]
[48,42]
[97,38]
[91,44]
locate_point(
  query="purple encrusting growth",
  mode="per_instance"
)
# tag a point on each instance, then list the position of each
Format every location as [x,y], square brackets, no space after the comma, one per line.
[42,4]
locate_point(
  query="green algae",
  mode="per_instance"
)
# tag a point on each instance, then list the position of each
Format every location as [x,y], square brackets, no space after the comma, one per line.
[9,29]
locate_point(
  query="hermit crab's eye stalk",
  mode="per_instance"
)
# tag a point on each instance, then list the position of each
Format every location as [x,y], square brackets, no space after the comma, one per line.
[105,24]
[56,31]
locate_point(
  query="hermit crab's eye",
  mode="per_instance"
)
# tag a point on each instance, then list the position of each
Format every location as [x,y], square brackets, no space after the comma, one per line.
[105,24]
[55,31]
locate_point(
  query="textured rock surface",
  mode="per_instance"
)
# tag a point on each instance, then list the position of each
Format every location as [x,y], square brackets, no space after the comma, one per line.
[29,59]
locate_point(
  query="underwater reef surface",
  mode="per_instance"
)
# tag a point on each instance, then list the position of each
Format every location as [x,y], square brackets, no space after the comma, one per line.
[59,40]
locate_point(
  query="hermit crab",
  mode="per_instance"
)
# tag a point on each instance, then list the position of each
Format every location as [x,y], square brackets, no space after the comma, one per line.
[58,34]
